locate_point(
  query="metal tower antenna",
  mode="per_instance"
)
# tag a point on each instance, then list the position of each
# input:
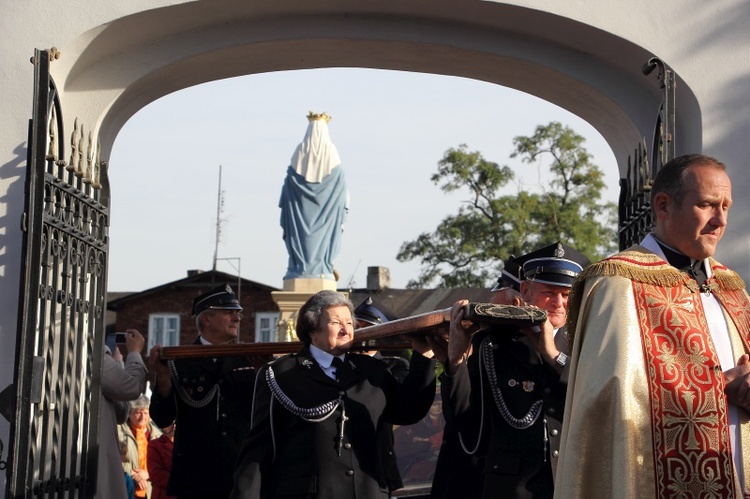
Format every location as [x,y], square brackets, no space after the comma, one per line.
[219,207]
[219,220]
[351,283]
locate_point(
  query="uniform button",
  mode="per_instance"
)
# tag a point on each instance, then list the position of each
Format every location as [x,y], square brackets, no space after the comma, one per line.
[349,472]
[553,432]
[223,434]
[223,415]
[555,453]
[547,391]
[347,446]
[202,379]
[551,410]
[494,466]
[200,389]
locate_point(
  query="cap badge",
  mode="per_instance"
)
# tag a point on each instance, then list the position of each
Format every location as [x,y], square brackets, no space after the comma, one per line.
[559,251]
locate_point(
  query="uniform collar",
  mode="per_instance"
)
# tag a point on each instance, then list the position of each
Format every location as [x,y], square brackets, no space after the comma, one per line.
[323,358]
[655,246]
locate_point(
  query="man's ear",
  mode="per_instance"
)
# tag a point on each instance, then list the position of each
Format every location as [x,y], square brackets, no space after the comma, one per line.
[204,320]
[662,203]
[525,291]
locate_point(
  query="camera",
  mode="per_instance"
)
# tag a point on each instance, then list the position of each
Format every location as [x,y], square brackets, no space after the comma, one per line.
[113,339]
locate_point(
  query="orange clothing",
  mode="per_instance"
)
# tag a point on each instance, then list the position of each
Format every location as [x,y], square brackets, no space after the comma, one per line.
[141,437]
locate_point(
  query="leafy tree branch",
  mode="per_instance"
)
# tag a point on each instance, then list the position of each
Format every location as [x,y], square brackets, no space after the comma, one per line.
[467,249]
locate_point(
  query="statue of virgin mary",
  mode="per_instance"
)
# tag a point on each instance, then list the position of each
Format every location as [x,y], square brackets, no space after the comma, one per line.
[314,202]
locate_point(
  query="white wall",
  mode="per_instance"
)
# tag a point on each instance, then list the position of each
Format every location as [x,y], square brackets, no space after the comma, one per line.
[585,56]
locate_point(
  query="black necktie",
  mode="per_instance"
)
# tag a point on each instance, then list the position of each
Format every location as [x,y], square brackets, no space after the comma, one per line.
[340,368]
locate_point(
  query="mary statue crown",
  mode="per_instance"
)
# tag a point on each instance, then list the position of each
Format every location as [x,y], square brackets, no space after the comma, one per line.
[316,156]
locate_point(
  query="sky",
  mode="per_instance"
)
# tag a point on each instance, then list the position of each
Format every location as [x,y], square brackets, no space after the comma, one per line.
[390,128]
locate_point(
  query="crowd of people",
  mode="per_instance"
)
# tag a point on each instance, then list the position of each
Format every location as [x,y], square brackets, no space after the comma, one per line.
[635,383]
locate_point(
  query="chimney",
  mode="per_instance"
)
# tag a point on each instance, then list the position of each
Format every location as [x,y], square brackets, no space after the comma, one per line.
[191,273]
[378,278]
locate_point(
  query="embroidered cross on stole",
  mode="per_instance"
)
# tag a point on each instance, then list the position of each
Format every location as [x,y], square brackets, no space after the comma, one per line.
[690,431]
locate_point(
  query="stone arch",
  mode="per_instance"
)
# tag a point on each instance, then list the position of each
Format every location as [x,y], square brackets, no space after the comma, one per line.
[119,56]
[116,69]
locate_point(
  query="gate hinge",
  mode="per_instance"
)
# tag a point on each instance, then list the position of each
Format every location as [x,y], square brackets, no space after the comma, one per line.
[23,222]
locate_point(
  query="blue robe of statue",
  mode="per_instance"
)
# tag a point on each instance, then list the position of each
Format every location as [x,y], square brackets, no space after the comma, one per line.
[312,216]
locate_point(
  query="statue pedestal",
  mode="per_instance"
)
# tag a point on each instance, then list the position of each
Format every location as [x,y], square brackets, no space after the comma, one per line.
[295,293]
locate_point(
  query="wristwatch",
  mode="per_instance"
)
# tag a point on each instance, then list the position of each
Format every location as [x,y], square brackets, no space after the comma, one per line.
[561,359]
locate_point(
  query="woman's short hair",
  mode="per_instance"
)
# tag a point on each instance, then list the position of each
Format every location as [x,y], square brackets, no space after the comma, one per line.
[141,402]
[308,318]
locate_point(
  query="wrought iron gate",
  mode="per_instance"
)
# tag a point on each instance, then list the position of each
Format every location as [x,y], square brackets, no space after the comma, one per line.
[635,220]
[54,429]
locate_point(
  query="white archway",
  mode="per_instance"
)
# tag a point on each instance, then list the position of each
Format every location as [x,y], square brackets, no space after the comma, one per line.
[139,58]
[585,57]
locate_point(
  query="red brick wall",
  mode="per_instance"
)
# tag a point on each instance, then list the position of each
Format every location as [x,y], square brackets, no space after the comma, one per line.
[134,313]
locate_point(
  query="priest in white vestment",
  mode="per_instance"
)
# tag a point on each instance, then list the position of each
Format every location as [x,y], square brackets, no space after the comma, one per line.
[659,390]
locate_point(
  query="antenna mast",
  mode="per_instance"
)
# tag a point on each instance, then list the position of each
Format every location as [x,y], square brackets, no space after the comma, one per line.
[219,206]
[219,210]
[350,284]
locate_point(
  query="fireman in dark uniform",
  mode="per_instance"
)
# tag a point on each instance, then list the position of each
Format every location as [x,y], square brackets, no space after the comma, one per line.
[317,413]
[457,473]
[209,399]
[510,409]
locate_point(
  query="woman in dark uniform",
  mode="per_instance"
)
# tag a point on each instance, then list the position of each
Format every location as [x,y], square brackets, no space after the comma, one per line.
[317,413]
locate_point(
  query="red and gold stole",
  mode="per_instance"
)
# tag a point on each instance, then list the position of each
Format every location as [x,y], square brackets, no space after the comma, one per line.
[689,425]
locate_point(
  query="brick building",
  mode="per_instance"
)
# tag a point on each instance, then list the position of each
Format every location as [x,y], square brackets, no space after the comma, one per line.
[163,314]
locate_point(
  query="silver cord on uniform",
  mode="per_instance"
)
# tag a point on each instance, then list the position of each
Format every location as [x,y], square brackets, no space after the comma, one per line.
[481,418]
[312,414]
[185,396]
[487,361]
[518,423]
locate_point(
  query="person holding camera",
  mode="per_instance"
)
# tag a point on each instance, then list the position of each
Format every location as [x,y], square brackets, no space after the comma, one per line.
[120,383]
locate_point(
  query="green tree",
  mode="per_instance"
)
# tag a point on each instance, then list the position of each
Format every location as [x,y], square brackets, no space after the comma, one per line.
[467,249]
